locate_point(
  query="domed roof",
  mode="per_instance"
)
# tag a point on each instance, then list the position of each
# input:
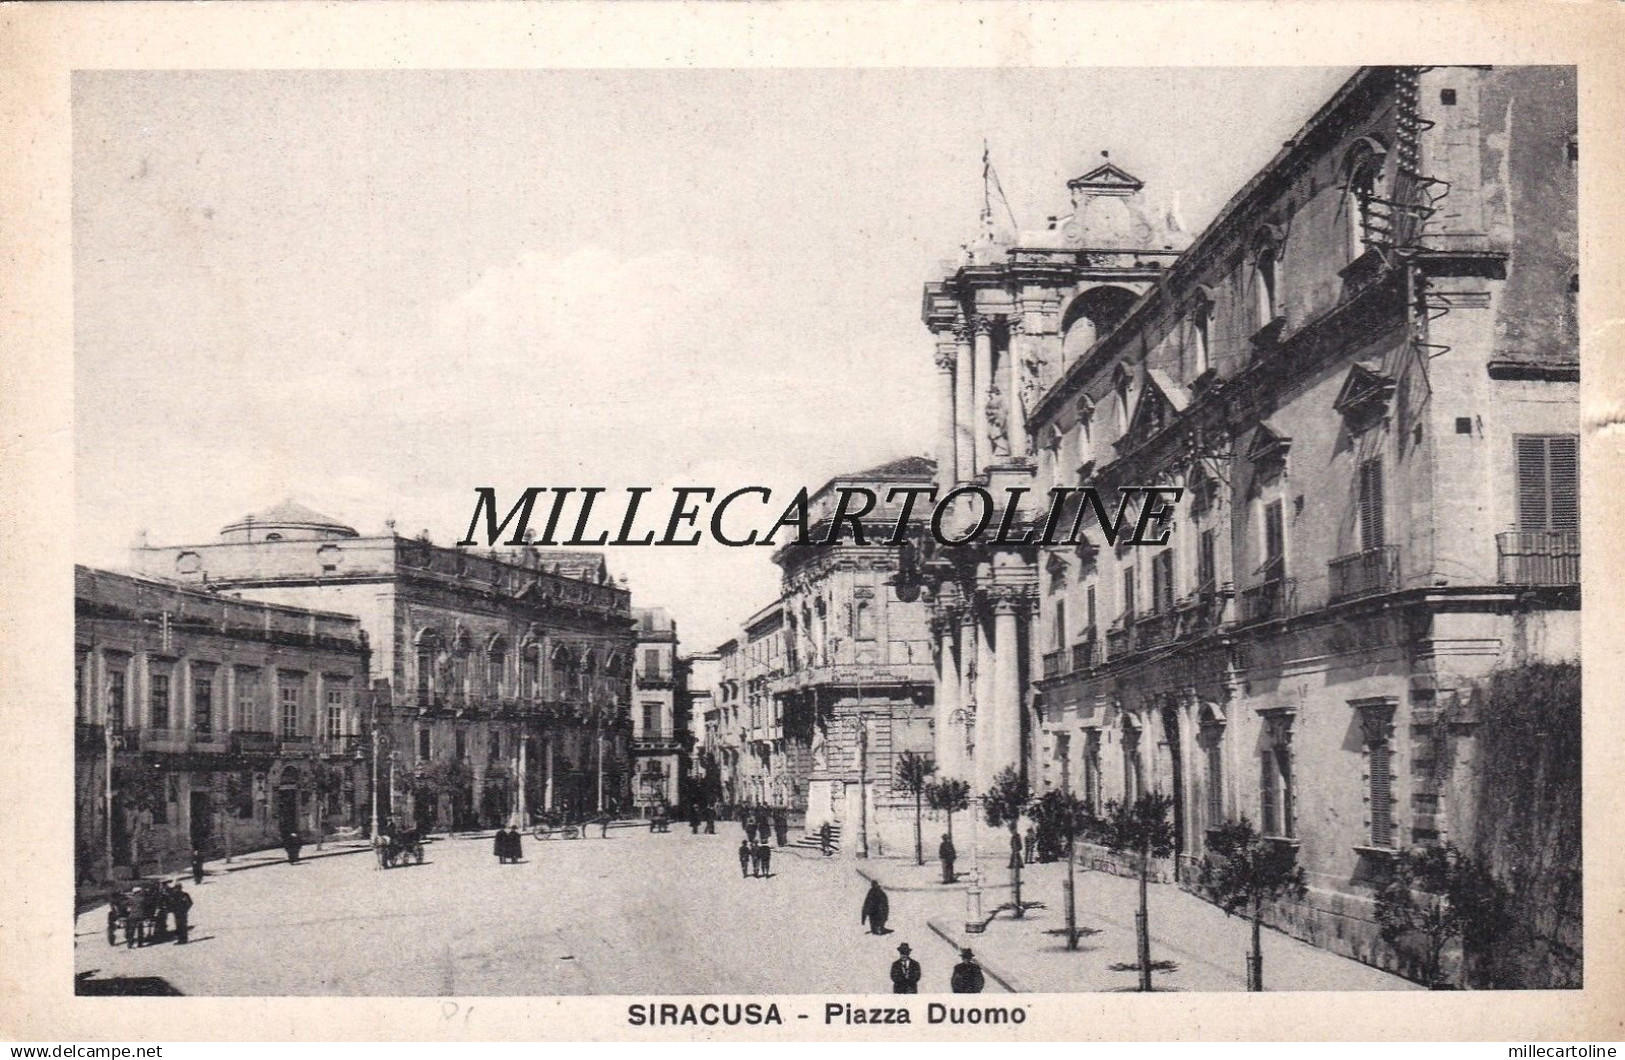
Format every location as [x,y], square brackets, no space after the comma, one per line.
[289,519]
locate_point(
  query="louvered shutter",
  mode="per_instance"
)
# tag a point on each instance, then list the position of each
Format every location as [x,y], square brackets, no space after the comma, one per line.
[1533,514]
[1371,503]
[1563,478]
[1274,542]
[1266,793]
[1382,802]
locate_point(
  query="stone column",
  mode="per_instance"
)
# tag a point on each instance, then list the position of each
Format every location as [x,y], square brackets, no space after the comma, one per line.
[1006,750]
[947,462]
[949,743]
[964,404]
[982,326]
[1015,411]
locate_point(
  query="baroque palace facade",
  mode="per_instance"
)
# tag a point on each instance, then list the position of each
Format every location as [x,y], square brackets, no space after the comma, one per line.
[1364,376]
[501,682]
[824,688]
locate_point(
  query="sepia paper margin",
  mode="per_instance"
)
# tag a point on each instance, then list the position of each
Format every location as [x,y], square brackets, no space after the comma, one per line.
[40,45]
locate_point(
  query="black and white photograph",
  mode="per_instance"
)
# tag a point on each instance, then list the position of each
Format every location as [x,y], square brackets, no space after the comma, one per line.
[727,541]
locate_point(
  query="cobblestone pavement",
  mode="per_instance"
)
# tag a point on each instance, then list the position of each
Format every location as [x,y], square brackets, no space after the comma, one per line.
[635,914]
[1194,945]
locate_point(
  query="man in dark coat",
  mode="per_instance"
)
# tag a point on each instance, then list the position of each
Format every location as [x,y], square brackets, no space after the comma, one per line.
[967,977]
[180,904]
[947,853]
[750,828]
[781,827]
[1032,843]
[291,844]
[746,856]
[767,859]
[876,908]
[135,918]
[499,846]
[710,820]
[824,836]
[197,866]
[905,972]
[516,844]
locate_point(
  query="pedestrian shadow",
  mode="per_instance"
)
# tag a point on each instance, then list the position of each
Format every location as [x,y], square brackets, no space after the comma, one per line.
[1134,966]
[85,984]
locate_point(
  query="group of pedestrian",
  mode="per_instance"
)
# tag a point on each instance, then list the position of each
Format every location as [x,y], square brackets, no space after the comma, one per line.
[508,845]
[763,827]
[146,912]
[967,976]
[755,859]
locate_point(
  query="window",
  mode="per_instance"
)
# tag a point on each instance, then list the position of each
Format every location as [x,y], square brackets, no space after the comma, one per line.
[651,662]
[1362,193]
[115,694]
[1275,781]
[496,669]
[1091,770]
[1089,609]
[1162,582]
[1123,409]
[424,746]
[1131,764]
[1274,567]
[1207,549]
[493,747]
[335,713]
[1201,315]
[1265,278]
[158,702]
[248,694]
[530,672]
[651,720]
[1059,640]
[865,621]
[1128,596]
[289,693]
[427,643]
[1548,487]
[1376,729]
[202,703]
[1213,751]
[1371,528]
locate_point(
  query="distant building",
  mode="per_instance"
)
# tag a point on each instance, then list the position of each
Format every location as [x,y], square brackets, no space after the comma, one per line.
[487,666]
[659,715]
[699,676]
[210,723]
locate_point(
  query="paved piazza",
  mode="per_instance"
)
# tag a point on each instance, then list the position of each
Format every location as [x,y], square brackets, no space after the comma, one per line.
[656,915]
[634,914]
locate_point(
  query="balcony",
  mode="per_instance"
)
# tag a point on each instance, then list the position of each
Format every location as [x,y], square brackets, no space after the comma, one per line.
[342,746]
[1086,654]
[1054,663]
[1371,570]
[296,744]
[254,743]
[1120,641]
[1549,557]
[1156,629]
[1268,601]
[181,741]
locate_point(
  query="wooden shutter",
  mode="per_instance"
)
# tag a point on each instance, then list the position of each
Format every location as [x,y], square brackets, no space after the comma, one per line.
[1563,477]
[1128,594]
[1382,799]
[1548,482]
[1205,559]
[1215,782]
[1274,542]
[1371,502]
[1533,514]
[1267,793]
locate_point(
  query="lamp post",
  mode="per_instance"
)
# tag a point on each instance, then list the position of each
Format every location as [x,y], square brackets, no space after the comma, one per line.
[973,893]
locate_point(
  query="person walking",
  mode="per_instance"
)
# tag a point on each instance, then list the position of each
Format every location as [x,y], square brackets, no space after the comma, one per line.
[516,844]
[967,977]
[160,912]
[750,827]
[781,827]
[499,846]
[710,820]
[876,908]
[291,844]
[745,857]
[118,908]
[180,904]
[946,853]
[824,835]
[135,919]
[767,860]
[1032,843]
[197,867]
[905,972]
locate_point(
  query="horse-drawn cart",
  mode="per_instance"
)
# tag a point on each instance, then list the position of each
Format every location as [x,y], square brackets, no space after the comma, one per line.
[399,847]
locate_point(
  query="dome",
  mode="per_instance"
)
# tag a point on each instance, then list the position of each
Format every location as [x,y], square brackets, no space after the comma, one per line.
[288,521]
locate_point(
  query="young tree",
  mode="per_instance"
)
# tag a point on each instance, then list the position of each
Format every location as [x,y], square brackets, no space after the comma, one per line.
[1243,870]
[1459,899]
[1141,828]
[950,795]
[913,775]
[1068,817]
[1005,801]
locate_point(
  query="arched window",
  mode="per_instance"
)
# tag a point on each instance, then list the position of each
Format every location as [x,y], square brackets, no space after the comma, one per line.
[1200,320]
[426,658]
[530,671]
[1122,387]
[1091,315]
[1362,181]
[496,666]
[1266,278]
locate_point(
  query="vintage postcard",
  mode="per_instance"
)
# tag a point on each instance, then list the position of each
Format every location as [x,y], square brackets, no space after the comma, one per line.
[697,522]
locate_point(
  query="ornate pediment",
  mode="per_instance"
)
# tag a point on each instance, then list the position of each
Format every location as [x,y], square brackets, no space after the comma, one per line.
[1107,178]
[1268,446]
[1161,399]
[1365,394]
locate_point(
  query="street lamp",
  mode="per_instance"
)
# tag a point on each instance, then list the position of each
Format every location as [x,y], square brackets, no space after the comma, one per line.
[973,893]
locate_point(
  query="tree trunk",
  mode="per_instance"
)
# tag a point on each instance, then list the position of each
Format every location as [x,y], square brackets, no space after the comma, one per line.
[1015,879]
[950,825]
[1071,897]
[1256,980]
[919,850]
[1145,922]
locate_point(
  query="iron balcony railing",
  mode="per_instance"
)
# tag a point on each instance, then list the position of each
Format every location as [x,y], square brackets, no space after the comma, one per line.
[1269,600]
[1155,629]
[1086,654]
[1549,557]
[1054,662]
[1370,570]
[254,743]
[1119,641]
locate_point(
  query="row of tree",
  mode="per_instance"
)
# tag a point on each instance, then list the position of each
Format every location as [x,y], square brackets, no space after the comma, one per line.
[1432,896]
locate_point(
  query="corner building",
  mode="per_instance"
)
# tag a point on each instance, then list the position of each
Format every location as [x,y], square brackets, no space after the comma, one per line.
[1364,376]
[502,681]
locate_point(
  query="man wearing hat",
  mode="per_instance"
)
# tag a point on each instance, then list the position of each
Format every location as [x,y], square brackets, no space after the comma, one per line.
[967,977]
[905,972]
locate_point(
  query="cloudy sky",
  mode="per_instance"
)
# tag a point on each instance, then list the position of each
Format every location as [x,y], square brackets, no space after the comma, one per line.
[374,291]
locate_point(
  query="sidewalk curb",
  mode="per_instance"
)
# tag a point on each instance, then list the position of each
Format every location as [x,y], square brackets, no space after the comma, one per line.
[957,939]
